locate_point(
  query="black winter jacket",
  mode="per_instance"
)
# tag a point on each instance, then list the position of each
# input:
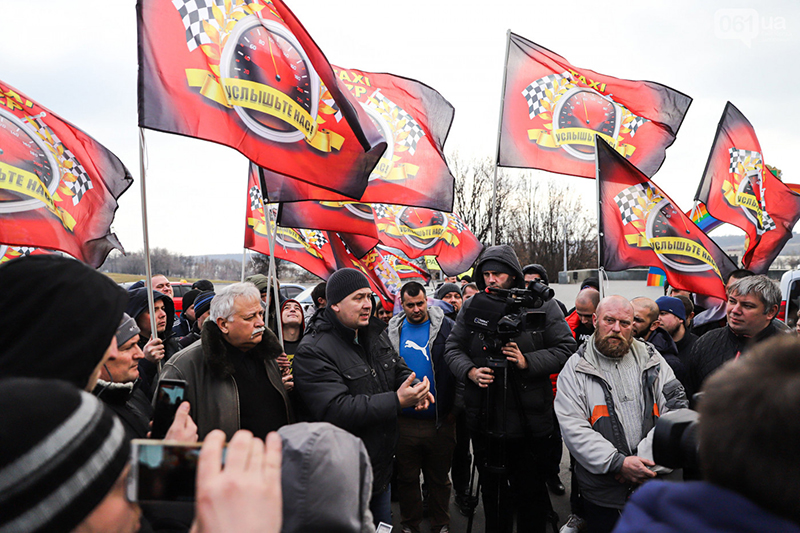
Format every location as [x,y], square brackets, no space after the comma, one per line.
[545,353]
[662,341]
[352,385]
[137,304]
[715,348]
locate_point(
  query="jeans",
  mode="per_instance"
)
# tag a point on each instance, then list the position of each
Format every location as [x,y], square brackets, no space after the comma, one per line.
[381,507]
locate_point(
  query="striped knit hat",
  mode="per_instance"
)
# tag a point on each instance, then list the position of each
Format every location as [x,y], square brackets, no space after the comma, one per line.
[61,452]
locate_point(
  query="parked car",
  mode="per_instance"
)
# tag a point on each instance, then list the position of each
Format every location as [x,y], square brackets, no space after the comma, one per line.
[179,288]
[790,297]
[291,290]
[306,302]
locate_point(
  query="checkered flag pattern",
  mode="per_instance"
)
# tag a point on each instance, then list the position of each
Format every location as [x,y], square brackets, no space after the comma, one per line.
[314,237]
[535,92]
[628,199]
[255,198]
[456,222]
[23,250]
[739,156]
[766,220]
[634,124]
[410,126]
[330,102]
[67,159]
[381,210]
[193,13]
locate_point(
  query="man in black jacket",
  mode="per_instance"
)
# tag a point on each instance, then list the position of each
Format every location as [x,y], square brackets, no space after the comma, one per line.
[531,358]
[647,328]
[752,305]
[347,373]
[164,345]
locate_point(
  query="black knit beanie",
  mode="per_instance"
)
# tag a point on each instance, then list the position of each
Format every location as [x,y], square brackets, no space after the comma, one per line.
[58,317]
[203,302]
[493,265]
[61,452]
[343,283]
[189,298]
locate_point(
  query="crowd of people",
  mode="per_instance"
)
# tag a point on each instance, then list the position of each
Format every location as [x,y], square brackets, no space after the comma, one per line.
[330,417]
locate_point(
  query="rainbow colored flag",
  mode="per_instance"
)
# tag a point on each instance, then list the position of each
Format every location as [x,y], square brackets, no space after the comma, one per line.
[656,277]
[703,219]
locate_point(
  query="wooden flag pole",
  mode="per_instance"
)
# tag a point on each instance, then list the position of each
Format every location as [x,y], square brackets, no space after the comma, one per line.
[148,270]
[497,153]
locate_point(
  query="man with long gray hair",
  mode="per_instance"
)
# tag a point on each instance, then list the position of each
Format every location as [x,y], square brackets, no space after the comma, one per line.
[752,304]
[233,379]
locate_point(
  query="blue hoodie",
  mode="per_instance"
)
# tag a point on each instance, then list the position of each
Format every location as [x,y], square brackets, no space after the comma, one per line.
[665,507]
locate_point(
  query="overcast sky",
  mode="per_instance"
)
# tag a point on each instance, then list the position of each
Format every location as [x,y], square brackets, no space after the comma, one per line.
[79,59]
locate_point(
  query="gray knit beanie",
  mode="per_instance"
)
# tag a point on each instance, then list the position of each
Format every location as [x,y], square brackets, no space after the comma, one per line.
[343,283]
[61,452]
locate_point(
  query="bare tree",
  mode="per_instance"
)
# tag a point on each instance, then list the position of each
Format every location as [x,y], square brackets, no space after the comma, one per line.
[541,217]
[473,194]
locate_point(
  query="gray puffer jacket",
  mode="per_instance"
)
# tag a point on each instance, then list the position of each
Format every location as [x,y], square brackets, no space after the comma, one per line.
[591,428]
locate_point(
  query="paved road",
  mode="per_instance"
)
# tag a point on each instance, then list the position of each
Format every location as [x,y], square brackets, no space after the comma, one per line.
[565,293]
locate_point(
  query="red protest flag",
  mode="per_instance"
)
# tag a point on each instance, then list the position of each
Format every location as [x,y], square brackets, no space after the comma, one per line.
[640,226]
[308,249]
[405,269]
[417,232]
[58,186]
[415,120]
[737,188]
[249,76]
[553,110]
[783,206]
[383,278]
[350,217]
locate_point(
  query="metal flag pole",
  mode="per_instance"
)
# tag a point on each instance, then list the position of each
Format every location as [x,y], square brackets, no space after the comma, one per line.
[244,259]
[600,270]
[272,279]
[151,306]
[499,131]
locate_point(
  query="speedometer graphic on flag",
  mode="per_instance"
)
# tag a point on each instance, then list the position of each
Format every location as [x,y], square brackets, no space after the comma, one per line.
[269,78]
[23,155]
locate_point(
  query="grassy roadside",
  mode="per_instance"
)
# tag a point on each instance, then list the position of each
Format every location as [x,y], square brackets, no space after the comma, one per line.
[126,278]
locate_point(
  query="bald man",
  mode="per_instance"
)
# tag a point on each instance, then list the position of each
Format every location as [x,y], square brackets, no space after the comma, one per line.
[580,320]
[647,327]
[610,394]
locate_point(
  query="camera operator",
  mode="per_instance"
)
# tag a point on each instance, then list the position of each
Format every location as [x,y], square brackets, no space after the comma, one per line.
[748,435]
[531,357]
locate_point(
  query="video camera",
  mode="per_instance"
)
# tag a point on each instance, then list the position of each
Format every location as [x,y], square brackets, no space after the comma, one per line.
[499,315]
[675,440]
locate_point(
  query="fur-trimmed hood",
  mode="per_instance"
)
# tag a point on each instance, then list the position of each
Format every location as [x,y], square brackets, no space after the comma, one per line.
[215,347]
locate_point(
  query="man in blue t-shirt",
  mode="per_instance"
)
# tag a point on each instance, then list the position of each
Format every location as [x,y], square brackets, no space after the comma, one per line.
[427,437]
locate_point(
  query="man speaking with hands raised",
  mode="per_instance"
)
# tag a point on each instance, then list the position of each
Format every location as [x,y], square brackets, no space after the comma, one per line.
[347,373]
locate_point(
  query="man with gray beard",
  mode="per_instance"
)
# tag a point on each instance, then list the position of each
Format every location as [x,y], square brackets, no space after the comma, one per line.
[610,394]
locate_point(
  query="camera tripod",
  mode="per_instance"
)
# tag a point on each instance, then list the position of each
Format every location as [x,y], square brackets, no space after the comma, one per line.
[494,430]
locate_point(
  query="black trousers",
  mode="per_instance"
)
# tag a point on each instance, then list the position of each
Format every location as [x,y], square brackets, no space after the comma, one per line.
[520,490]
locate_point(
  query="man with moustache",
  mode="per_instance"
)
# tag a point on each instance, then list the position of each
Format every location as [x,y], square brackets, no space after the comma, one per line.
[232,377]
[610,394]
